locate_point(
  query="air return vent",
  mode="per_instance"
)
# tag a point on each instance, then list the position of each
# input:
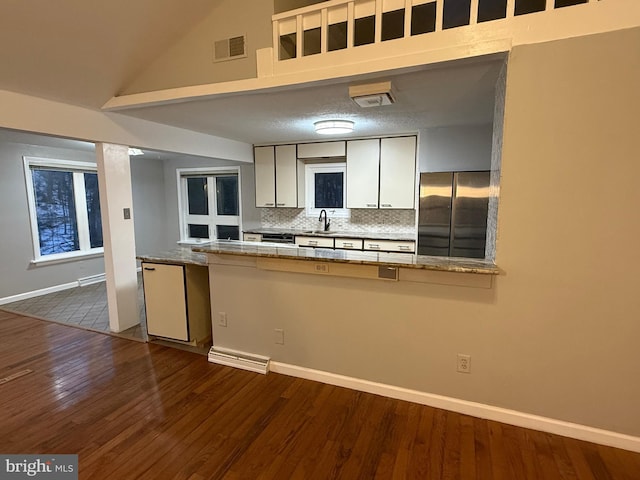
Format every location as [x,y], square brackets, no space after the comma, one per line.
[229,49]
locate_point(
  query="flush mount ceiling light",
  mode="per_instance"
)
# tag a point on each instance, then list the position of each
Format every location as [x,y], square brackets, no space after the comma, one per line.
[372,94]
[333,127]
[135,151]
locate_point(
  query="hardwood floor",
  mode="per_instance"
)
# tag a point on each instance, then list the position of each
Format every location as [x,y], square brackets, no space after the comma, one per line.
[141,411]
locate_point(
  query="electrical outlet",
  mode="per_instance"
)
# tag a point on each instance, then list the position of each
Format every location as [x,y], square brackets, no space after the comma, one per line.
[464,363]
[279,336]
[222,319]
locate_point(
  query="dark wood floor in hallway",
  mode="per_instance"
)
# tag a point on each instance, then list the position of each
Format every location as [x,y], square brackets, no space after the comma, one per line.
[141,411]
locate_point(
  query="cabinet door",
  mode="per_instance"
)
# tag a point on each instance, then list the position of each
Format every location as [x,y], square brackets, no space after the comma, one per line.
[397,172]
[265,177]
[363,158]
[321,150]
[286,176]
[165,301]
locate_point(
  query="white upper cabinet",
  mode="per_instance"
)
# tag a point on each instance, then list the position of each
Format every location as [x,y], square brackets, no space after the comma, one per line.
[265,174]
[363,159]
[397,172]
[286,176]
[321,150]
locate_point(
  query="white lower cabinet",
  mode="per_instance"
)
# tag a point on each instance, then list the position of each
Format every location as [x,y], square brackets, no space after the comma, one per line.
[251,237]
[321,242]
[349,243]
[177,304]
[404,246]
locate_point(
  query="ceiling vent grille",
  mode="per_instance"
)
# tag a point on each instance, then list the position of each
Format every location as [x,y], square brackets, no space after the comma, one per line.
[230,49]
[372,95]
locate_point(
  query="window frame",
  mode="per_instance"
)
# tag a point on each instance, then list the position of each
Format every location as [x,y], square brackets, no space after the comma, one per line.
[326,167]
[183,214]
[78,169]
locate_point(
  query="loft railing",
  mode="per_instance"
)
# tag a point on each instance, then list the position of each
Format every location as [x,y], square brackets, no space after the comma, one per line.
[344,24]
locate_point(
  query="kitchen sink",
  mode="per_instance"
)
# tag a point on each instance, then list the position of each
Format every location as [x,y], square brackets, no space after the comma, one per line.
[318,232]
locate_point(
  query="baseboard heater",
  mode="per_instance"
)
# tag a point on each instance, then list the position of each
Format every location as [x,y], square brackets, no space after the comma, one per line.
[233,358]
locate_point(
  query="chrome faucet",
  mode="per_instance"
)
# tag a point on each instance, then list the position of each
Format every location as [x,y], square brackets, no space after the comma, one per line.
[327,222]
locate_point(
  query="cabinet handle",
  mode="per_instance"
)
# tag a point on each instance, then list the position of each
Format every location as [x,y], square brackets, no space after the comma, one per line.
[279,204]
[270,204]
[404,247]
[313,242]
[371,205]
[347,244]
[374,246]
[388,205]
[150,269]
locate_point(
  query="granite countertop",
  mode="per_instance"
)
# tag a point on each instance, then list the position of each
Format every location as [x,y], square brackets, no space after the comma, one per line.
[177,256]
[402,260]
[336,234]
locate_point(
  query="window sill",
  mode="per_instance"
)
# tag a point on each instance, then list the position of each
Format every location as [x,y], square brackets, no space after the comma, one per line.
[193,242]
[67,257]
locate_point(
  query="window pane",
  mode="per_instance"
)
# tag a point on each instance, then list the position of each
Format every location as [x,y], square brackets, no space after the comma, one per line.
[423,18]
[227,195]
[393,25]
[228,232]
[337,39]
[456,13]
[197,196]
[287,46]
[93,209]
[55,211]
[491,10]
[365,29]
[524,7]
[198,231]
[329,190]
[311,41]
[568,3]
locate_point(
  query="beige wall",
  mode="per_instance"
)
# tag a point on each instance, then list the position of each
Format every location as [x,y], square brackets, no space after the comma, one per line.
[557,335]
[190,60]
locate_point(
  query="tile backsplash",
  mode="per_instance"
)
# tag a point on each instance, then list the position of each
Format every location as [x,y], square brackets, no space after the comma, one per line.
[365,220]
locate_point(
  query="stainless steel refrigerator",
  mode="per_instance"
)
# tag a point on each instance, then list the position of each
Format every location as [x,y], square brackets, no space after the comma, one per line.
[453,214]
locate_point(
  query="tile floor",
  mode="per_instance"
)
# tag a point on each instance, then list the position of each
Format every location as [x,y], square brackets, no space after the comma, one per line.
[85,307]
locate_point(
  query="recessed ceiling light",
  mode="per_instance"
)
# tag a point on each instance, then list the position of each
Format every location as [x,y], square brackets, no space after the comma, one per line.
[135,151]
[333,127]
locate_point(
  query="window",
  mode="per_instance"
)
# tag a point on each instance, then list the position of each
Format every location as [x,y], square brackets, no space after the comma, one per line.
[326,188]
[64,205]
[204,215]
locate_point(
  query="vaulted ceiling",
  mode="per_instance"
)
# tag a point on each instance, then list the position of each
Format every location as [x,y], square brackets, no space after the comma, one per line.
[83,52]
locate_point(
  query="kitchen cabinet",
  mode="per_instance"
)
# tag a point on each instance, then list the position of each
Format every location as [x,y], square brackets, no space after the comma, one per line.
[321,150]
[265,176]
[276,174]
[363,158]
[404,246]
[252,237]
[177,304]
[286,176]
[397,172]
[320,242]
[348,243]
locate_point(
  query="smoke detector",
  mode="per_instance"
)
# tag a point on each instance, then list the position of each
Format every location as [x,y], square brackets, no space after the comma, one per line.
[372,94]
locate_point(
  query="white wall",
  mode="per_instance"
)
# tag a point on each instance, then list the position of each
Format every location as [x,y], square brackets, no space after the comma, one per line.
[149,207]
[18,274]
[455,149]
[557,335]
[190,60]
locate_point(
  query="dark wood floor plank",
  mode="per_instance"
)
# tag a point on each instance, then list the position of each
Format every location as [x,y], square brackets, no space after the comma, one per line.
[137,411]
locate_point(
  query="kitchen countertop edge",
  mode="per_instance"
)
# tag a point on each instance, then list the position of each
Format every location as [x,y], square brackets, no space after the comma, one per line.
[399,260]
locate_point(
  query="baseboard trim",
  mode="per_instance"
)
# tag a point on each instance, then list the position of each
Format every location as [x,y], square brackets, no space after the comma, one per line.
[489,412]
[84,281]
[37,293]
